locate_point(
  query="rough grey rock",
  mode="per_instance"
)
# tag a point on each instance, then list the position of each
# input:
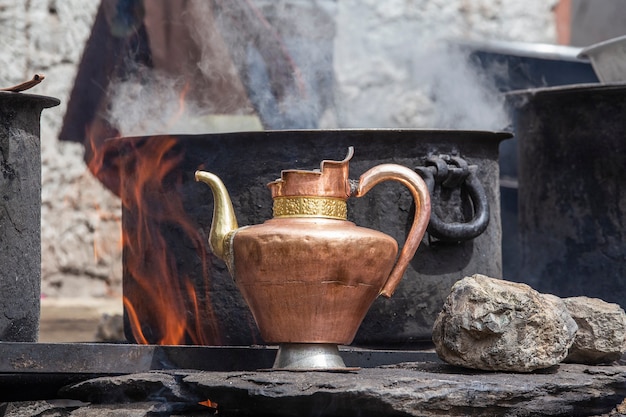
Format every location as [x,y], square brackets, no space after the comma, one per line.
[110,328]
[561,308]
[77,409]
[408,389]
[492,324]
[601,336]
[142,387]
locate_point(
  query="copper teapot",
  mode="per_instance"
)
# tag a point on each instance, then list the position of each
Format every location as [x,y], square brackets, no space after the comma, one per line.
[308,274]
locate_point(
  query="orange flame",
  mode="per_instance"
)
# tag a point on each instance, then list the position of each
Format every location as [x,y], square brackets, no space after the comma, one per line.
[181,105]
[135,324]
[159,296]
[161,302]
[159,293]
[209,404]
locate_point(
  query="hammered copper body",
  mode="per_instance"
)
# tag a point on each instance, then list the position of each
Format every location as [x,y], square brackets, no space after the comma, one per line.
[309,275]
[309,279]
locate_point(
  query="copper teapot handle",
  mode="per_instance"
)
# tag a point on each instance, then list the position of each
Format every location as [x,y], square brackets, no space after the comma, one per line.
[421,196]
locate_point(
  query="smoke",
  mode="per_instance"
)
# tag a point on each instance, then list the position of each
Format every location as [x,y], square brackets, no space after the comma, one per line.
[453,92]
[284,52]
[190,81]
[150,102]
[262,62]
[215,58]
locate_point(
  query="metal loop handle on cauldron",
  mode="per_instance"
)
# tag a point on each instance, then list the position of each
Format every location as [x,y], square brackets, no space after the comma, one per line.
[438,172]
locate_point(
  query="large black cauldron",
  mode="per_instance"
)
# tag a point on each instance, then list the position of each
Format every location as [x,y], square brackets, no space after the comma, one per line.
[247,161]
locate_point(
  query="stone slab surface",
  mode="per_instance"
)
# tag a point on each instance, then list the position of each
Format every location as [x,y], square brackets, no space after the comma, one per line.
[408,389]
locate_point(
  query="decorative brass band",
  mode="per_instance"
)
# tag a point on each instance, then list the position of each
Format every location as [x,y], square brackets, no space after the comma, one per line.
[333,208]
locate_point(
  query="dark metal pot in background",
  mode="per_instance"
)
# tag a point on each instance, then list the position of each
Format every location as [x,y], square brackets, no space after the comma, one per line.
[508,66]
[572,189]
[247,161]
[20,214]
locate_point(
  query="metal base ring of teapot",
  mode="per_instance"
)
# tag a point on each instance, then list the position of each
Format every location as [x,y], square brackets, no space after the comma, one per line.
[309,356]
[308,274]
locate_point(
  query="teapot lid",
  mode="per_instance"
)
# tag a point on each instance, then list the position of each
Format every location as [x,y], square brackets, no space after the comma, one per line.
[331,180]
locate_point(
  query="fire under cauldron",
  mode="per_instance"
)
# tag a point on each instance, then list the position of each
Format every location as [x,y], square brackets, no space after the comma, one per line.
[173,285]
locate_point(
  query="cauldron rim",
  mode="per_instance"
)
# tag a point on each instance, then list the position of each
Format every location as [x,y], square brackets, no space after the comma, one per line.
[536,50]
[44,101]
[469,134]
[617,87]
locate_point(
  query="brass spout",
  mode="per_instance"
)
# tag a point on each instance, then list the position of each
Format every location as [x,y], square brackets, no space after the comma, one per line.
[224,221]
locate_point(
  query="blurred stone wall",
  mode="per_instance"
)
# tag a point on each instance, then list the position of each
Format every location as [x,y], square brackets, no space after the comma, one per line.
[378,54]
[80,219]
[593,22]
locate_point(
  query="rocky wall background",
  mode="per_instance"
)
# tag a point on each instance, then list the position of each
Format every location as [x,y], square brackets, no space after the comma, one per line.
[382,65]
[80,219]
